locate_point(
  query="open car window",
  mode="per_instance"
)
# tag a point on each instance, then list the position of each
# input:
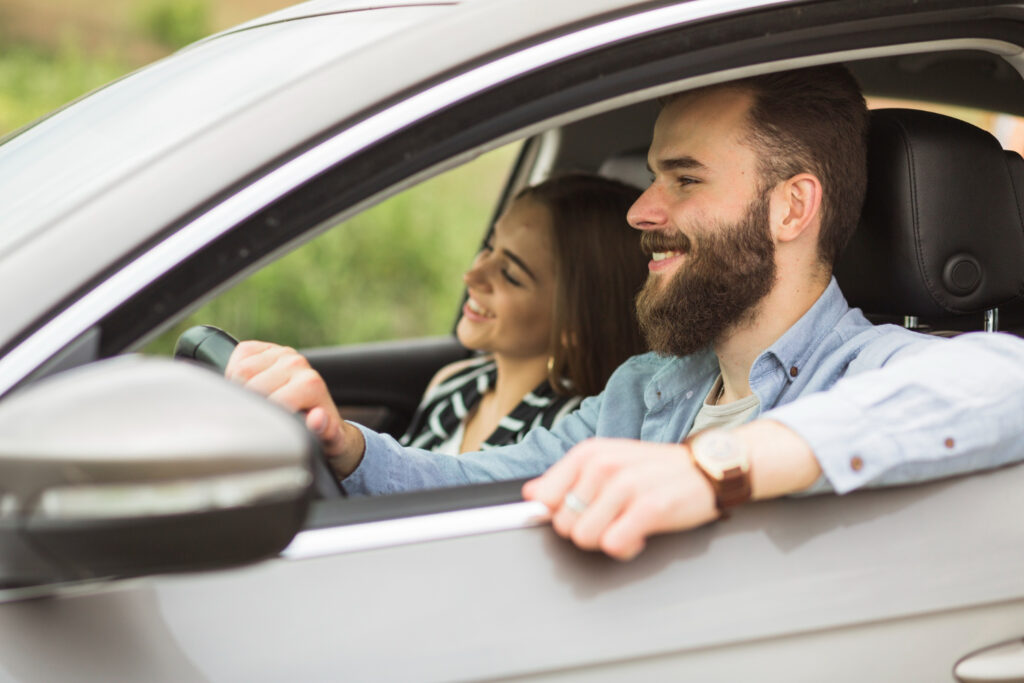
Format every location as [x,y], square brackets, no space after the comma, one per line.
[392,272]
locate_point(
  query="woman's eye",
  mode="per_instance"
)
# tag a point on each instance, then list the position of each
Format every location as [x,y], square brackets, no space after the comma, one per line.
[511,279]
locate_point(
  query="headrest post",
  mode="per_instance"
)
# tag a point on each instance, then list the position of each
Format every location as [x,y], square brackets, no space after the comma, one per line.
[910,322]
[992,320]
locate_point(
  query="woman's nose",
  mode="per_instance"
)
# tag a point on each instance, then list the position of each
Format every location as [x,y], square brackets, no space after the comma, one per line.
[476,276]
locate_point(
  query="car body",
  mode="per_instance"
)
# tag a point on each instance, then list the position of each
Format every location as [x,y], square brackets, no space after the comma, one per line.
[128,208]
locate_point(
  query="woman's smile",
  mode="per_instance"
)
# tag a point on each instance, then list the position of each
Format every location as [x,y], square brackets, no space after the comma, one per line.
[475,312]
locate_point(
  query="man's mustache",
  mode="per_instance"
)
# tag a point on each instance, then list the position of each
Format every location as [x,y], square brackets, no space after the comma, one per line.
[651,242]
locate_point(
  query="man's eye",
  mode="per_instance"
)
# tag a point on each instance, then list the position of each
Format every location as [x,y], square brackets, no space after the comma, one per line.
[511,279]
[686,180]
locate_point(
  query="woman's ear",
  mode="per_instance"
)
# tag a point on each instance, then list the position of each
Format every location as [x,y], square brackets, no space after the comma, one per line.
[795,207]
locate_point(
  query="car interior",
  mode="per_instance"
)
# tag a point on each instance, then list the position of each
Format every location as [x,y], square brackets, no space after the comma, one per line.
[939,248]
[930,255]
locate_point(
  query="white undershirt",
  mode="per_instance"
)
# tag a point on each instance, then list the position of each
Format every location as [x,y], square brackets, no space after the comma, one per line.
[726,415]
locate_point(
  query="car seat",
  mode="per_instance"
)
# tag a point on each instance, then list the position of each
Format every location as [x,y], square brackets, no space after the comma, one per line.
[940,242]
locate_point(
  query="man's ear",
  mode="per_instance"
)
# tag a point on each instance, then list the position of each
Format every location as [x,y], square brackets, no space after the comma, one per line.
[795,207]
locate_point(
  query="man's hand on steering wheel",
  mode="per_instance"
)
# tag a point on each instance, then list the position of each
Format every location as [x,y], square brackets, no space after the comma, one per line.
[284,376]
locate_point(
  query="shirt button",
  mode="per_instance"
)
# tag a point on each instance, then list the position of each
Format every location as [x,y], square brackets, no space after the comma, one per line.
[949,442]
[658,394]
[856,463]
[793,372]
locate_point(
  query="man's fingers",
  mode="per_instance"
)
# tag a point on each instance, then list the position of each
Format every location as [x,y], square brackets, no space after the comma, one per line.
[297,389]
[551,487]
[286,373]
[597,500]
[625,536]
[317,421]
[242,353]
[663,509]
[603,510]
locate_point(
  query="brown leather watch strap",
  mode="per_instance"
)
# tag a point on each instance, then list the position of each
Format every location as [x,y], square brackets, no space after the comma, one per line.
[732,488]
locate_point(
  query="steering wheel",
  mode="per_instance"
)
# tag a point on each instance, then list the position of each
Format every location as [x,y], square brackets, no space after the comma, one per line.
[212,347]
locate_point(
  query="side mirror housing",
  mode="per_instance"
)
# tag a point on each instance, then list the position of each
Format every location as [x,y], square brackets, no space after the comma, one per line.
[135,466]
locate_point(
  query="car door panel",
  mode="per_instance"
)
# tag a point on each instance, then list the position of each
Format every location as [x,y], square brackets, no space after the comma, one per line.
[791,589]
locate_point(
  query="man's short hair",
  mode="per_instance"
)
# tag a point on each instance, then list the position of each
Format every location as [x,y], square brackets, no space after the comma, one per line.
[815,121]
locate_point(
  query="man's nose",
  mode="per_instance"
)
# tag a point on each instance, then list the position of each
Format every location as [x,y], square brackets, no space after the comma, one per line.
[648,211]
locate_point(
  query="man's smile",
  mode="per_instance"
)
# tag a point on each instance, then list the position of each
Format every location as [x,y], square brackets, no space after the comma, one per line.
[664,260]
[665,250]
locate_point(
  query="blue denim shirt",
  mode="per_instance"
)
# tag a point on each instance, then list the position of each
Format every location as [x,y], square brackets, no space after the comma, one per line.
[878,405]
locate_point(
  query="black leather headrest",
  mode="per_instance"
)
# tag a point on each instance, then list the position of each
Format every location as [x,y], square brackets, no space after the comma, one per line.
[942,230]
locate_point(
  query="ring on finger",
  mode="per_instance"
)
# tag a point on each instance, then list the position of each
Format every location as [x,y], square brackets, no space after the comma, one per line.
[574,503]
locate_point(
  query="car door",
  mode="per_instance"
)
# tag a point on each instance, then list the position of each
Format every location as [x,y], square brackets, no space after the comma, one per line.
[470,583]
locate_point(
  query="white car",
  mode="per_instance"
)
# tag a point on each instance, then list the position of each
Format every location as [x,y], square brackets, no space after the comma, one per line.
[156,522]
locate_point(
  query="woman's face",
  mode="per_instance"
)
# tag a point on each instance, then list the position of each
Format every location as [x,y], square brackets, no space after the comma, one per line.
[512,286]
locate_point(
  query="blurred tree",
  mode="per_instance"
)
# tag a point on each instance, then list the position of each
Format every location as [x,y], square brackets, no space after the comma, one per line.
[176,23]
[393,271]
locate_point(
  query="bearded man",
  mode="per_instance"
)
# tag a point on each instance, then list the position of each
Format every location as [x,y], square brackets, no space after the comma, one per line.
[757,186]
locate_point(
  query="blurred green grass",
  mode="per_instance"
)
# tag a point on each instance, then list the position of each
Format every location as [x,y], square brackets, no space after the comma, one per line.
[392,272]
[35,79]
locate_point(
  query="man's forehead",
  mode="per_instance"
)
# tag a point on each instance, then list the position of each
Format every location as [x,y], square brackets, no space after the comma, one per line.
[700,125]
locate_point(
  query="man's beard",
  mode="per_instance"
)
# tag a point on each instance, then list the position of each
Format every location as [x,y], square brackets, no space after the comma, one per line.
[716,289]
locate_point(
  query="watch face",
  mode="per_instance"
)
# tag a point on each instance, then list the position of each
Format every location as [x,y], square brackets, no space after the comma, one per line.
[719,447]
[723,458]
[717,451]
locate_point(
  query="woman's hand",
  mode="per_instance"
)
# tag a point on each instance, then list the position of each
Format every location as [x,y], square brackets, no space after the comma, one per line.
[284,376]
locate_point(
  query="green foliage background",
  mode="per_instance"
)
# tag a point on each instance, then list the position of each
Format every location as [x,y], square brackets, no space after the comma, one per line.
[393,271]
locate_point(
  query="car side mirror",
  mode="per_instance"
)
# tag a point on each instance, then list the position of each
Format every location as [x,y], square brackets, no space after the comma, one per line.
[135,466]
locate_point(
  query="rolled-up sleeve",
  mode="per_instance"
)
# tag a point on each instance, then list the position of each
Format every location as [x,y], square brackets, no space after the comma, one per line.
[926,410]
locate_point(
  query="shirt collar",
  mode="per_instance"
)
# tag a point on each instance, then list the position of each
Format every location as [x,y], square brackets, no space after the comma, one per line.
[792,350]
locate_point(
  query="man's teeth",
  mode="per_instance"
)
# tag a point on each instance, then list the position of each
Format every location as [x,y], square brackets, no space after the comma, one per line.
[478,309]
[662,255]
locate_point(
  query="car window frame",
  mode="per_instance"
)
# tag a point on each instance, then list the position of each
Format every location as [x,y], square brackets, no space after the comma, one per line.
[652,63]
[485,121]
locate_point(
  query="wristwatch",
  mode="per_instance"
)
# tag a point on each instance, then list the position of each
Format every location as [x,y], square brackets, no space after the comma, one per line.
[722,457]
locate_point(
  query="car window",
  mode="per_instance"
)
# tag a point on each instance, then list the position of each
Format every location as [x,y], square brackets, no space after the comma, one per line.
[1007,128]
[391,272]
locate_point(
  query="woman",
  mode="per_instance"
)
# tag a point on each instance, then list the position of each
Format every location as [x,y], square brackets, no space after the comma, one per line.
[550,303]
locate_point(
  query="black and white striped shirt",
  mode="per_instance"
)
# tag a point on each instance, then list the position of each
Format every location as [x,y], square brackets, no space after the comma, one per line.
[443,411]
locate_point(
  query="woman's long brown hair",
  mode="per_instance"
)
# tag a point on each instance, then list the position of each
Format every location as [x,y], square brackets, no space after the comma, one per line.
[599,269]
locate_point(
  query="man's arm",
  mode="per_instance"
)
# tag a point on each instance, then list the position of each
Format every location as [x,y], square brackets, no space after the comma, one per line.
[933,410]
[375,463]
[634,489]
